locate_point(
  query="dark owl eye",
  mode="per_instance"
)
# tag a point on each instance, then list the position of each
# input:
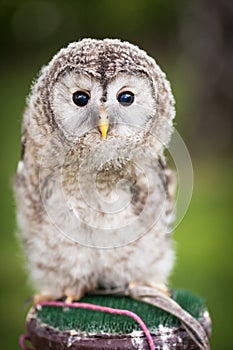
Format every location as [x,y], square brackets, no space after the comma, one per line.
[81,98]
[125,98]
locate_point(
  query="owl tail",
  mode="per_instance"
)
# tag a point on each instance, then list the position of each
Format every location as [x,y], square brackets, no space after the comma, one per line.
[159,299]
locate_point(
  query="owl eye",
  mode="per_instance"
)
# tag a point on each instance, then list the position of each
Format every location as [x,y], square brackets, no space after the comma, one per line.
[125,98]
[81,98]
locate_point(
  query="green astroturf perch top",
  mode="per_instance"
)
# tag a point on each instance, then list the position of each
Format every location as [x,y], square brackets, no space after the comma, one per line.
[61,328]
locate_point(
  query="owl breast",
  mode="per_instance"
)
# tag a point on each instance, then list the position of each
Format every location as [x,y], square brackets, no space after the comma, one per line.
[106,191]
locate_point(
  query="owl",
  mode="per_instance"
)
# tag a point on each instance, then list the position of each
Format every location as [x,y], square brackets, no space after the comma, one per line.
[94,195]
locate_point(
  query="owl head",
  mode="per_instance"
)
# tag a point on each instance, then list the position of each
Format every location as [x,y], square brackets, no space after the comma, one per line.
[106,88]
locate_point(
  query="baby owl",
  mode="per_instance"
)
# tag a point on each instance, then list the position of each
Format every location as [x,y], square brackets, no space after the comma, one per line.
[94,196]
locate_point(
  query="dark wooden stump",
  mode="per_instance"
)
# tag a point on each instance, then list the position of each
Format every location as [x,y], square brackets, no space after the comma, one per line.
[66,328]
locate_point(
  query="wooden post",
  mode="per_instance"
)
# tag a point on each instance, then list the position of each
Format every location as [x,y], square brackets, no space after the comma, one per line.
[64,328]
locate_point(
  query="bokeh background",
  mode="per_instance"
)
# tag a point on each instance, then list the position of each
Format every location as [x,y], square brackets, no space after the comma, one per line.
[192,41]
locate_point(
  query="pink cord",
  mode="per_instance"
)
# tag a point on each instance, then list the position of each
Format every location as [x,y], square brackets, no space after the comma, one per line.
[22,342]
[99,308]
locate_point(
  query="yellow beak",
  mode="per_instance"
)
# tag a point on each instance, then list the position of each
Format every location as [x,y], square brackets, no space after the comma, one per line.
[103,124]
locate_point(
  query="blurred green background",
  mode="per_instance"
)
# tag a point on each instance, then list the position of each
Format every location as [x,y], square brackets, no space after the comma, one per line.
[192,42]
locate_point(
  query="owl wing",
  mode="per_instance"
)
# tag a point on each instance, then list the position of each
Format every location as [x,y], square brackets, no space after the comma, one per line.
[169,180]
